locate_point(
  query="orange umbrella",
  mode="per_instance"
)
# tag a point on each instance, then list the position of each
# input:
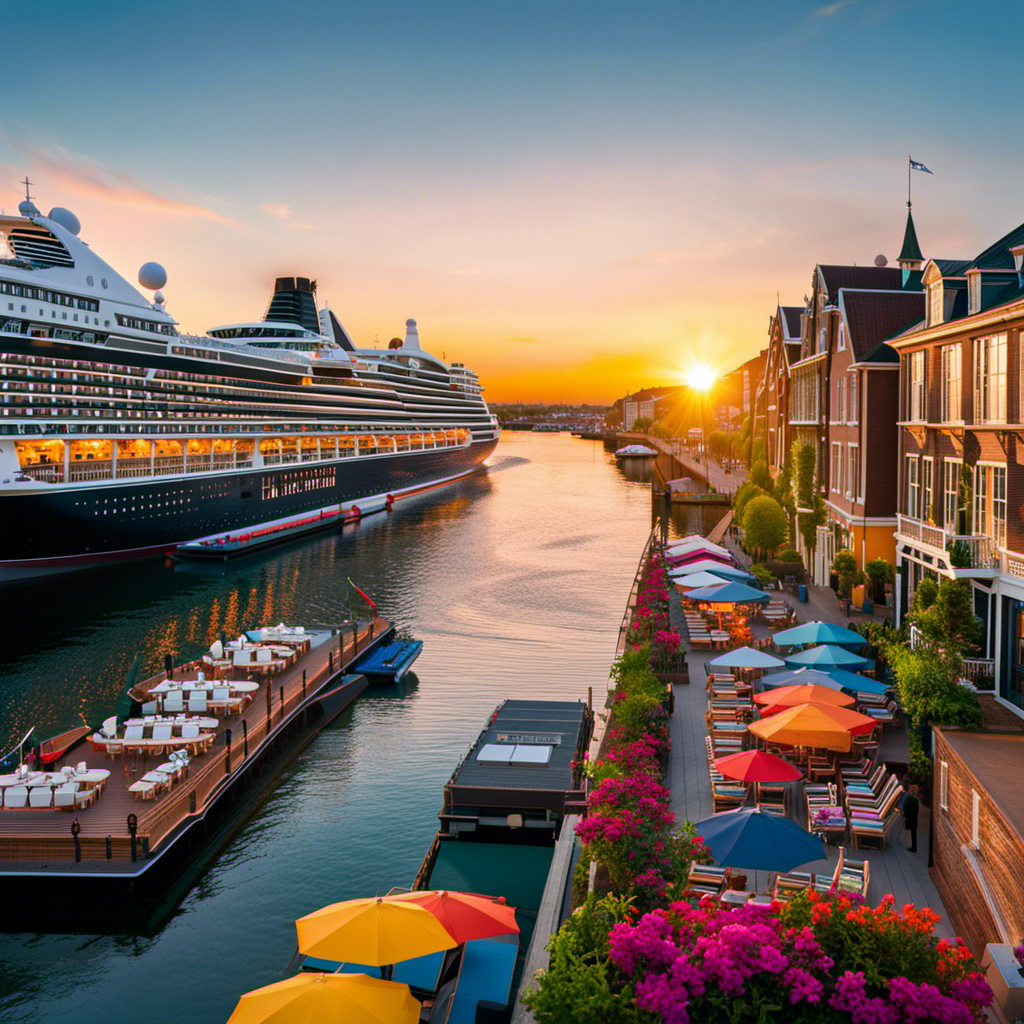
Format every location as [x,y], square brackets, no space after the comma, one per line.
[814,725]
[773,701]
[465,916]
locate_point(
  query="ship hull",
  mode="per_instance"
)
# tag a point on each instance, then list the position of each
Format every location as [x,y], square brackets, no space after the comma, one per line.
[61,530]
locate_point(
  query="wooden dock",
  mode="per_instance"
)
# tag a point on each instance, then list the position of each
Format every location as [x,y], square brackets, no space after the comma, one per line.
[33,839]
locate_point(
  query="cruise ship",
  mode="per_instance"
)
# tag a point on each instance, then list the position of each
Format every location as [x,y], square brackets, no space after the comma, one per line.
[123,438]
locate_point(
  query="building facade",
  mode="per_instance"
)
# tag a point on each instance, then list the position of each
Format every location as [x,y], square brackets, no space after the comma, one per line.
[961,451]
[771,401]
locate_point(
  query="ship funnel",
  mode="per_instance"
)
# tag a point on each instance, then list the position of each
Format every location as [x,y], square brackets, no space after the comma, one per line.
[412,338]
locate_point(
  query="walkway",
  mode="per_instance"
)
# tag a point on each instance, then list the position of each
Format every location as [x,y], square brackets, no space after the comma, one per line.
[893,870]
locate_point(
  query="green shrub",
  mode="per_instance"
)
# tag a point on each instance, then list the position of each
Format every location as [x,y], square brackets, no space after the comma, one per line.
[764,524]
[762,574]
[790,555]
[925,594]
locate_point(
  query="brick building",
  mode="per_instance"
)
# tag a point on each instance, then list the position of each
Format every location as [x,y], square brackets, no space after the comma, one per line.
[961,463]
[771,400]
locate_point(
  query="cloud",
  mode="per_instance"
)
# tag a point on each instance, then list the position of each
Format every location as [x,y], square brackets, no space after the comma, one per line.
[829,9]
[277,210]
[83,176]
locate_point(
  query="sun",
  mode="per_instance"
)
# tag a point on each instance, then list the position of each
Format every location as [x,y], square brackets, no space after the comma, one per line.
[700,378]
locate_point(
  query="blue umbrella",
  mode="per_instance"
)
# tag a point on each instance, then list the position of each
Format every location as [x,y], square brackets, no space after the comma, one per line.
[729,572]
[800,676]
[854,681]
[746,657]
[749,838]
[818,633]
[728,593]
[826,655]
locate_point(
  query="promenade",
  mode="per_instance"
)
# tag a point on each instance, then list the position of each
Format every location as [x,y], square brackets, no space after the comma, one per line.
[892,870]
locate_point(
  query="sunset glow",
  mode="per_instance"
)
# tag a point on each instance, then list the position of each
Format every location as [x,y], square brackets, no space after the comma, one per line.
[700,378]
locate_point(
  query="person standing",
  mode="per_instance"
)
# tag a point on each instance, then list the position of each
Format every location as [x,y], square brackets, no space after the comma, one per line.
[911,806]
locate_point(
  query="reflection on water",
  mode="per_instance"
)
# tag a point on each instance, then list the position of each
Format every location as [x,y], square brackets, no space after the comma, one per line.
[515,580]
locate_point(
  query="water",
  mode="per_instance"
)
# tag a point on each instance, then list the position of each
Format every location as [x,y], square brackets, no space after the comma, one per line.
[515,580]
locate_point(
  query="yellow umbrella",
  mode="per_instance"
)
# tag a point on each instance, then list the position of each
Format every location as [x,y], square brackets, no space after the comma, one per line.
[372,931]
[315,998]
[813,725]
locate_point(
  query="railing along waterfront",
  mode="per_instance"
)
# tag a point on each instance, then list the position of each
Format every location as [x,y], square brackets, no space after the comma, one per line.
[627,616]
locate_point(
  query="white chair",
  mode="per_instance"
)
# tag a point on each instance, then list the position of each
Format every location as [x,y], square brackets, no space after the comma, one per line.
[201,677]
[162,732]
[174,702]
[133,732]
[241,659]
[190,732]
[80,767]
[197,702]
[216,650]
[64,799]
[40,796]
[15,796]
[109,728]
[150,708]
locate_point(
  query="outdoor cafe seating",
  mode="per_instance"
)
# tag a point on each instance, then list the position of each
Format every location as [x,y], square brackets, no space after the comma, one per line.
[69,789]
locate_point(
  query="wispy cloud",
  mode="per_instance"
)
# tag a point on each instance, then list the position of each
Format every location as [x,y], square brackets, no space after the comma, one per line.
[285,214]
[83,176]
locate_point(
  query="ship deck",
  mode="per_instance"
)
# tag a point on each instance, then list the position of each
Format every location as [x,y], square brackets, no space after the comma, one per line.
[34,839]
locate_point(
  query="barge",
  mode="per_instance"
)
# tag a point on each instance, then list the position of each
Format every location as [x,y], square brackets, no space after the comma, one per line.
[124,846]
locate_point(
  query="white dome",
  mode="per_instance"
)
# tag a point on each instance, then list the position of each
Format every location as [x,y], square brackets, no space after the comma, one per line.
[27,208]
[160,298]
[152,275]
[66,219]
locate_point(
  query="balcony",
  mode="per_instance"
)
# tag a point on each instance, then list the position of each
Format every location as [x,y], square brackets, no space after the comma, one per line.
[976,555]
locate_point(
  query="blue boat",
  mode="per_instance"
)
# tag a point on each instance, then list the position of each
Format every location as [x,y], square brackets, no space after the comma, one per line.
[389,662]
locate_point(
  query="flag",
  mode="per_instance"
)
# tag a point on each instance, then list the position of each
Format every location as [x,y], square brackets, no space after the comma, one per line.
[915,166]
[362,595]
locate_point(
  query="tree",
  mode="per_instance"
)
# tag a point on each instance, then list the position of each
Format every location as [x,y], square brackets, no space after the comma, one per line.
[811,520]
[844,565]
[747,492]
[928,692]
[880,572]
[760,476]
[806,463]
[925,594]
[764,524]
[948,623]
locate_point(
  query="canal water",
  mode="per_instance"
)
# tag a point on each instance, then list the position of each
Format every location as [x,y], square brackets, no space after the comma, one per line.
[515,580]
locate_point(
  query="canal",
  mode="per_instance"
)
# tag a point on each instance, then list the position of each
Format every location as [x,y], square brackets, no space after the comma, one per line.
[515,581]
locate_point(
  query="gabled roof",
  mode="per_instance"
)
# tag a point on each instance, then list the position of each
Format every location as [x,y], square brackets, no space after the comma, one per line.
[911,251]
[836,277]
[872,317]
[952,268]
[998,256]
[791,322]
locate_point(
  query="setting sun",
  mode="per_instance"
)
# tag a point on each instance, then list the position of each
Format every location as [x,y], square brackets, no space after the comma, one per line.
[700,378]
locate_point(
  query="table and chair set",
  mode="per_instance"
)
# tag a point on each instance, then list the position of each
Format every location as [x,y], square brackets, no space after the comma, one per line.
[70,789]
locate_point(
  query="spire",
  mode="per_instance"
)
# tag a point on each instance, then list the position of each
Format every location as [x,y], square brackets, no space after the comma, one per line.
[910,257]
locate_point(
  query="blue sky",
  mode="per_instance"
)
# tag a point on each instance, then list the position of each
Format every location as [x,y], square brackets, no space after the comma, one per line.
[573,198]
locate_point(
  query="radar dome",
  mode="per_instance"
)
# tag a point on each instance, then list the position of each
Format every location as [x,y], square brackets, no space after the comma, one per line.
[395,343]
[160,298]
[881,261]
[27,208]
[66,219]
[152,275]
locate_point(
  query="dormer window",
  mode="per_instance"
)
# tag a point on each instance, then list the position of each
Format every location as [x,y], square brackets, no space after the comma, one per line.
[974,293]
[935,296]
[822,339]
[841,344]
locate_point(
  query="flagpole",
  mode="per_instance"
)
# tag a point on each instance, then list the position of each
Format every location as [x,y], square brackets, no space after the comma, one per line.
[908,180]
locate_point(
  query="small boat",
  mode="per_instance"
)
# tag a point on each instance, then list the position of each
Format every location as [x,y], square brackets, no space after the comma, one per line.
[56,747]
[635,451]
[389,662]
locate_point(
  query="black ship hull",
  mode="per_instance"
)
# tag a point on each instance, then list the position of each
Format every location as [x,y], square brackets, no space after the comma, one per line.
[64,529]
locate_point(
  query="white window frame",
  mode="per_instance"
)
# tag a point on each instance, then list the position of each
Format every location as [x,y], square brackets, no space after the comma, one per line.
[951,358]
[837,468]
[936,296]
[917,404]
[974,293]
[944,785]
[913,486]
[841,341]
[927,486]
[990,384]
[853,412]
[853,471]
[840,414]
[950,496]
[822,339]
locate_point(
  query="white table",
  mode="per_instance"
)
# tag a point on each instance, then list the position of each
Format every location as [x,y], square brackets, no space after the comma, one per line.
[91,777]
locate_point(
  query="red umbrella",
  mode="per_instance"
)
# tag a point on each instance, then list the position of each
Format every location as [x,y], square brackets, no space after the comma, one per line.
[465,916]
[757,766]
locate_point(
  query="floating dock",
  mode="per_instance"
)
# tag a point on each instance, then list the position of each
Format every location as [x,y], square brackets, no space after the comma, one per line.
[389,662]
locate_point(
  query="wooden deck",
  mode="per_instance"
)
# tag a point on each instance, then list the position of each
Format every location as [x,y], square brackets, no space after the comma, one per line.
[35,836]
[893,870]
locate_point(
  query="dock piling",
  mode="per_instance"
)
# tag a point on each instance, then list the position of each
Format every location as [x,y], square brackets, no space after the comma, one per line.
[227,751]
[282,702]
[245,726]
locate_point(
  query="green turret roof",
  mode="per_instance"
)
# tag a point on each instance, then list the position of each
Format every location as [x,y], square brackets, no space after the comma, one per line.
[911,250]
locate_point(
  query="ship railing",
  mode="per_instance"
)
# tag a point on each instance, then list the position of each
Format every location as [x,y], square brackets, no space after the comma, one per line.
[98,469]
[140,466]
[47,472]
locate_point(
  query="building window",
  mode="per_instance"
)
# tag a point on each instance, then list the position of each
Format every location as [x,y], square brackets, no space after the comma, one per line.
[854,412]
[935,304]
[841,344]
[853,472]
[918,395]
[990,502]
[822,339]
[952,356]
[990,379]
[913,488]
[974,293]
[944,785]
[837,468]
[840,416]
[950,494]
[927,511]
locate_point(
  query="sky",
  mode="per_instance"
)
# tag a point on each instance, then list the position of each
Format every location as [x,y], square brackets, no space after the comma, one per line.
[574,199]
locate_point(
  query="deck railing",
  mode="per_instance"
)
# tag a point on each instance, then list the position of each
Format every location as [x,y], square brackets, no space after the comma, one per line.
[976,549]
[47,472]
[627,615]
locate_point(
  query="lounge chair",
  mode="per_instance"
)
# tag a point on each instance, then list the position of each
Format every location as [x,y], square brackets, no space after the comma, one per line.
[40,796]
[174,702]
[197,703]
[851,875]
[706,879]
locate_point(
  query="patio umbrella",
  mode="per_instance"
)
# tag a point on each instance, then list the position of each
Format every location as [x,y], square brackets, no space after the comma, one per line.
[773,701]
[749,838]
[374,931]
[757,766]
[814,725]
[746,657]
[710,565]
[802,676]
[695,544]
[855,681]
[354,998]
[819,633]
[698,579]
[731,594]
[465,916]
[826,655]
[689,555]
